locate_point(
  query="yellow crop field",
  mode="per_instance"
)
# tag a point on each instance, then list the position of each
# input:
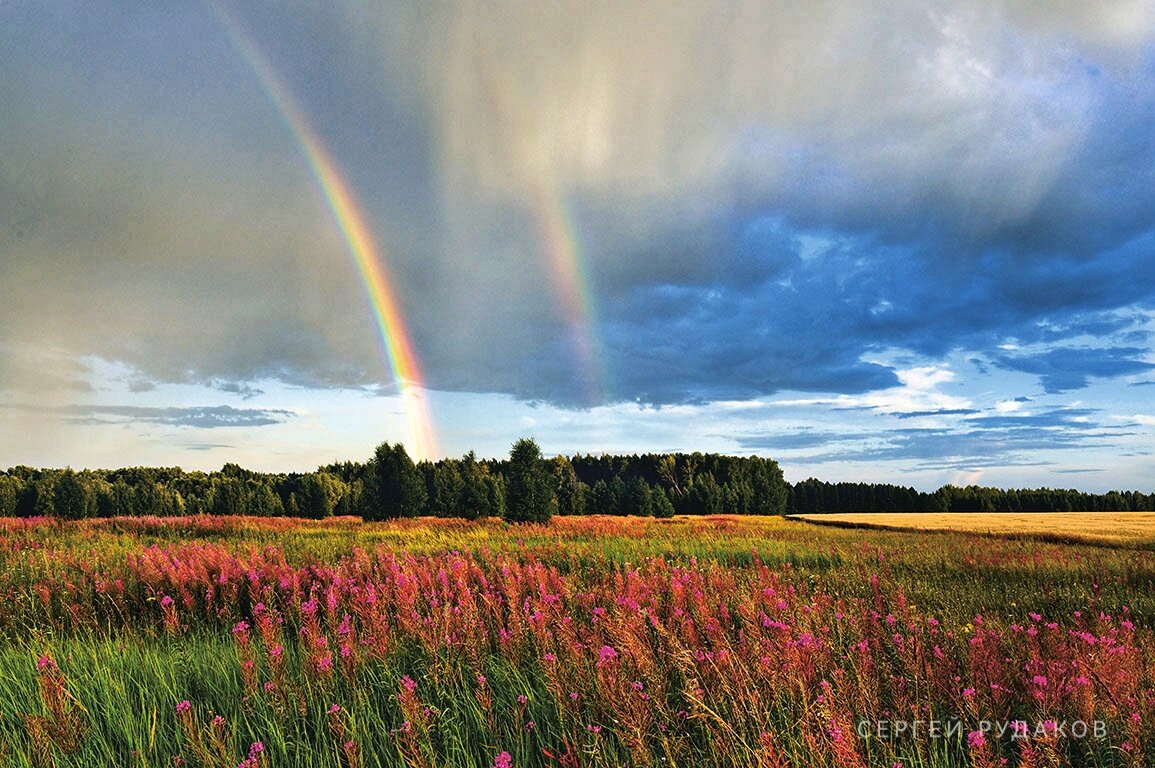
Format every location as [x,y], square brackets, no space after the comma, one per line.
[1130,528]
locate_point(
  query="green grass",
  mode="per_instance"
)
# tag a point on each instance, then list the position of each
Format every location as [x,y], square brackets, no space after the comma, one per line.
[125,674]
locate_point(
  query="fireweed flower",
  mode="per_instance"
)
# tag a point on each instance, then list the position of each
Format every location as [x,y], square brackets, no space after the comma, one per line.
[976,740]
[503,760]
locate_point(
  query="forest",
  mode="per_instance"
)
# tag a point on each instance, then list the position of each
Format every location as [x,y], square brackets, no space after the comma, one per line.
[523,487]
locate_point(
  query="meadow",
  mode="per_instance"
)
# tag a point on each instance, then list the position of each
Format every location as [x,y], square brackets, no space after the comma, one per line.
[586,642]
[1124,528]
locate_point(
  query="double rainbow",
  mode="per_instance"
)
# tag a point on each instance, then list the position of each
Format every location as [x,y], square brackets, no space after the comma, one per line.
[355,231]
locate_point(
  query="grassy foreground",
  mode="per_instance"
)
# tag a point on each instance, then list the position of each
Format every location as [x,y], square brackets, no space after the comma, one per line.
[721,641]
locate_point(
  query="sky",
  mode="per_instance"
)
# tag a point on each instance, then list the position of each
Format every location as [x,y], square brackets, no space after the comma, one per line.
[886,242]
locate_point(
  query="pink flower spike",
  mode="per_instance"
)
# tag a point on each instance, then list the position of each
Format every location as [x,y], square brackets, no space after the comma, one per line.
[504,760]
[183,706]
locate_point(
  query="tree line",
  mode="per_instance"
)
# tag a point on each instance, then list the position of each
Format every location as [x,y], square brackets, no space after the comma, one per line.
[525,486]
[816,497]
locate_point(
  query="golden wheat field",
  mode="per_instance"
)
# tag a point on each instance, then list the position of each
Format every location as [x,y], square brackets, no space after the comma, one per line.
[1131,528]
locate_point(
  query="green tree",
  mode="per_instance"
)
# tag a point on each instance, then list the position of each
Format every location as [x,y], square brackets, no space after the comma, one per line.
[38,497]
[529,492]
[638,500]
[71,498]
[446,487]
[317,495]
[571,492]
[705,495]
[602,500]
[495,495]
[10,488]
[660,503]
[264,502]
[227,496]
[475,501]
[668,472]
[352,500]
[395,487]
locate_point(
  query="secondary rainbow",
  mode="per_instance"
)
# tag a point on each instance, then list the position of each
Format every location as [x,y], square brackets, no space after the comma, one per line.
[562,244]
[367,256]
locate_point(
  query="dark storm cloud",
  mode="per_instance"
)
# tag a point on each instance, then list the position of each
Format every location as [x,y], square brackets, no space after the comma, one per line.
[751,217]
[1067,368]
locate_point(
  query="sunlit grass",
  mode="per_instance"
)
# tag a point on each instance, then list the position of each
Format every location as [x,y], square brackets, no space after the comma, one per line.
[1125,528]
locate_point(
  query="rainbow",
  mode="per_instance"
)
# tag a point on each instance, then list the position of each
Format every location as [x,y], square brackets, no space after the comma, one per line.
[358,238]
[562,245]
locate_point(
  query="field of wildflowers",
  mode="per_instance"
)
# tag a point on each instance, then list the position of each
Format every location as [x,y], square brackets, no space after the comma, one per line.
[710,641]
